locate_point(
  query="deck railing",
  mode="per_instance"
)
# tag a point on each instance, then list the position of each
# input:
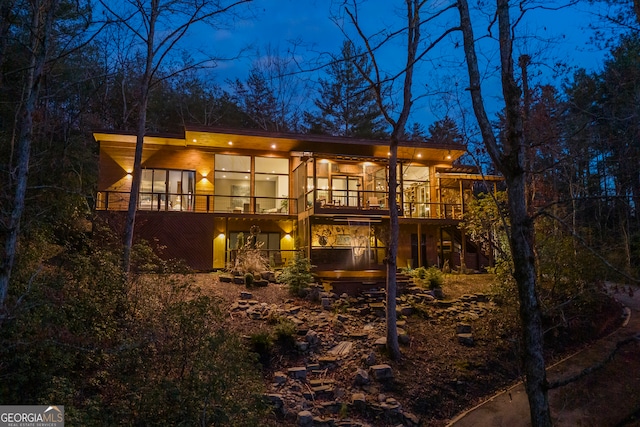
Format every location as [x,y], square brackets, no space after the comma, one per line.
[207,203]
[317,201]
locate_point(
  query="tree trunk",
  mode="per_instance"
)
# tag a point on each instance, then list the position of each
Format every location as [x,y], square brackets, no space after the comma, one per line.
[511,162]
[392,263]
[145,85]
[41,24]
[521,240]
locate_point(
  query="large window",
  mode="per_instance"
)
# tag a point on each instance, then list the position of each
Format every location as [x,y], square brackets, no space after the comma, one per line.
[165,189]
[271,184]
[238,188]
[415,191]
[232,182]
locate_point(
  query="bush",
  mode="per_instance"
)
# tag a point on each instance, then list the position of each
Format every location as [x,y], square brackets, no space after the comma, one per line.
[262,344]
[297,274]
[434,278]
[431,277]
[248,280]
[140,350]
[285,331]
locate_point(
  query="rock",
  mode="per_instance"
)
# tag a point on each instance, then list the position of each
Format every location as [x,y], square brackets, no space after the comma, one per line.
[437,293]
[302,346]
[378,308]
[293,310]
[331,407]
[463,328]
[358,335]
[299,373]
[275,400]
[305,419]
[380,343]
[279,377]
[327,303]
[410,420]
[403,337]
[466,339]
[312,338]
[342,317]
[246,295]
[262,283]
[327,360]
[342,349]
[254,314]
[359,401]
[382,372]
[313,367]
[444,303]
[405,310]
[370,359]
[482,297]
[362,377]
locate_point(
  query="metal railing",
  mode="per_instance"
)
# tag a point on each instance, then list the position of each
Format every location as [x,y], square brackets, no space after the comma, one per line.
[317,200]
[207,203]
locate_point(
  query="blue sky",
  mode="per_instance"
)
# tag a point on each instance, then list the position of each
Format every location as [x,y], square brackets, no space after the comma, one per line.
[304,26]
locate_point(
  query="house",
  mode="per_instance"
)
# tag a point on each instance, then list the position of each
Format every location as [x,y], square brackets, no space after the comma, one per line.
[200,190]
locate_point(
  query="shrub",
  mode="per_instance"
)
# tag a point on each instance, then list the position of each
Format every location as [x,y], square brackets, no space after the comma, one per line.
[262,344]
[431,277]
[285,331]
[248,280]
[148,349]
[434,278]
[297,274]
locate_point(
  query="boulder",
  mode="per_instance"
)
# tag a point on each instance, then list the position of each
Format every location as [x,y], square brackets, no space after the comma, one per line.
[382,372]
[466,339]
[359,401]
[305,419]
[361,377]
[299,373]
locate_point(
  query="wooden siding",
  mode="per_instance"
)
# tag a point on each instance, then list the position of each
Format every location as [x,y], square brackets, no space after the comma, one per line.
[187,236]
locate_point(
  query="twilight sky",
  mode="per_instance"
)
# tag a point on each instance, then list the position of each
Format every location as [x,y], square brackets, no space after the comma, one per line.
[305,28]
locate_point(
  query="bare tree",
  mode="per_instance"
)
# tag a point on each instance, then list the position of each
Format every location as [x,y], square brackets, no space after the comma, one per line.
[159,26]
[397,118]
[42,13]
[510,161]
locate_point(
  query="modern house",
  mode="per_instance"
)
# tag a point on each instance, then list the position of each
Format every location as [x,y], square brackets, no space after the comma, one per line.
[200,190]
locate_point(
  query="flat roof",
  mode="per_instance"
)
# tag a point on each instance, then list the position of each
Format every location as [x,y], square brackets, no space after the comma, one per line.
[199,136]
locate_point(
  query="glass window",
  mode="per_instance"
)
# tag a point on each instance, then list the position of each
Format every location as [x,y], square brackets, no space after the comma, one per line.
[415,190]
[271,184]
[232,183]
[164,189]
[225,162]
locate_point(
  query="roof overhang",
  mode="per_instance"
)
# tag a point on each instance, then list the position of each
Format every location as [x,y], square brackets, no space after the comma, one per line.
[234,139]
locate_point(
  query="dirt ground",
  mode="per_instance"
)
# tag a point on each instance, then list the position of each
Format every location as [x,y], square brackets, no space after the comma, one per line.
[437,377]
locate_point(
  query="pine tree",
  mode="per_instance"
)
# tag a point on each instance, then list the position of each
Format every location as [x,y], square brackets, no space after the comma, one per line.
[346,102]
[445,131]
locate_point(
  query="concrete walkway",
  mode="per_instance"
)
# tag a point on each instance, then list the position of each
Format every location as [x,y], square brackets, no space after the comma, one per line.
[591,401]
